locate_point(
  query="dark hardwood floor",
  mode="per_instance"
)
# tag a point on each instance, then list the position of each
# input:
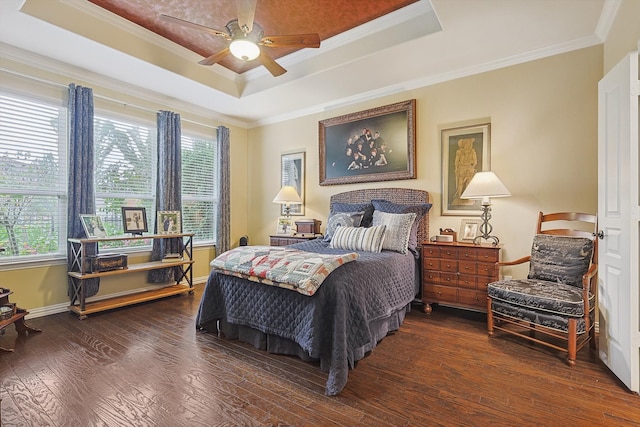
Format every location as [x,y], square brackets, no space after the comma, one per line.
[146,365]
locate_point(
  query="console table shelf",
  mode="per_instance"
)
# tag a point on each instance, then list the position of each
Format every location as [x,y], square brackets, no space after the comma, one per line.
[81,271]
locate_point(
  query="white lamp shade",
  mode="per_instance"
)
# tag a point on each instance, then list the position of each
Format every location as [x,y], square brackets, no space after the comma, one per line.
[484,185]
[287,195]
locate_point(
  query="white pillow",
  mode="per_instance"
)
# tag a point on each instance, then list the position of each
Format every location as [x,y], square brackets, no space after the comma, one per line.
[368,239]
[398,229]
[344,219]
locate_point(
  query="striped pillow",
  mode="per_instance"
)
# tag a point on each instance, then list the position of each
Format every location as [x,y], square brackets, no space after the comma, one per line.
[358,238]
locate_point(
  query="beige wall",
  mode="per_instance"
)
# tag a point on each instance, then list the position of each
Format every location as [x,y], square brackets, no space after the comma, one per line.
[624,35]
[543,145]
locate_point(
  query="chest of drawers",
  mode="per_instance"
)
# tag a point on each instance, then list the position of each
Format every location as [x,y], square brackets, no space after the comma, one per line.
[457,274]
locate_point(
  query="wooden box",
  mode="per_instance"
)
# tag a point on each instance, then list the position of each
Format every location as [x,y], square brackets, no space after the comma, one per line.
[308,226]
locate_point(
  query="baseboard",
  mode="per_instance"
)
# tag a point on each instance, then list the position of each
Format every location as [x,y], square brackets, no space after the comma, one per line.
[64,307]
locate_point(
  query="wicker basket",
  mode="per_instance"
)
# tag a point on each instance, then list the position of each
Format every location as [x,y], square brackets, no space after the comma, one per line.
[7,311]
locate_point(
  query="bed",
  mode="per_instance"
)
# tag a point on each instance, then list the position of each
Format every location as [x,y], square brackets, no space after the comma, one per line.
[355,307]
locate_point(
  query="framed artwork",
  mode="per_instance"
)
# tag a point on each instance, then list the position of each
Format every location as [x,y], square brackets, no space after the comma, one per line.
[465,151]
[372,145]
[134,220]
[285,225]
[169,222]
[292,170]
[93,226]
[469,229]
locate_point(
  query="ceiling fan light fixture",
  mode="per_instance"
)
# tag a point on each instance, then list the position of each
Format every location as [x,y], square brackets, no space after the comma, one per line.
[244,49]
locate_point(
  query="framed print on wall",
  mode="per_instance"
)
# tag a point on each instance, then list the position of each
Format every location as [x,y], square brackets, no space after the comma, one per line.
[292,172]
[169,222]
[372,145]
[465,151]
[134,220]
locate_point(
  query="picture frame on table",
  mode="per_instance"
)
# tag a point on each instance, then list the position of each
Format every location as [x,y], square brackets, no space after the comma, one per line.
[285,226]
[93,226]
[292,172]
[469,229]
[378,144]
[169,222]
[466,149]
[134,220]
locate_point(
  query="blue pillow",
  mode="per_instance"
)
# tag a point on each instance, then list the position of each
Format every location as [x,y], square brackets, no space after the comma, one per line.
[341,219]
[420,210]
[367,208]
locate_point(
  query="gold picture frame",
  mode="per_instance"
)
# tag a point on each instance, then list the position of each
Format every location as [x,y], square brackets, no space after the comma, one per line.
[465,151]
[169,222]
[389,130]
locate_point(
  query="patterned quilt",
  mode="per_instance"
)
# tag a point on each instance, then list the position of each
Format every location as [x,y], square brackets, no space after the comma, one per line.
[287,268]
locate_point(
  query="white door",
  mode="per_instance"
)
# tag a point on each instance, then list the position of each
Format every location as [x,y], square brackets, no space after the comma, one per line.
[619,221]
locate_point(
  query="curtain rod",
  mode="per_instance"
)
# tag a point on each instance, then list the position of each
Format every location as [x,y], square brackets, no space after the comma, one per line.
[125,104]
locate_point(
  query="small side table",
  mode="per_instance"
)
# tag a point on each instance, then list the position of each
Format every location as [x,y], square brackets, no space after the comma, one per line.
[285,239]
[17,319]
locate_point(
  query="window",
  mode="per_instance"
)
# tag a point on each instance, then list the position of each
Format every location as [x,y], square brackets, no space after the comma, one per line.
[199,187]
[125,175]
[33,178]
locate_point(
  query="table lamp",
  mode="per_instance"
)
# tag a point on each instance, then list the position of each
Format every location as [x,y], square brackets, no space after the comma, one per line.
[287,196]
[485,185]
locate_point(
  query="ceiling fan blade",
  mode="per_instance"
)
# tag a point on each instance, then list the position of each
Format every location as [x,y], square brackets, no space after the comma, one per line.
[274,68]
[195,26]
[246,13]
[216,57]
[294,40]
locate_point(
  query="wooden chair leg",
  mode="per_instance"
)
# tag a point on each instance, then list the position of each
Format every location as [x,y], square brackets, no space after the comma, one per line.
[489,317]
[572,342]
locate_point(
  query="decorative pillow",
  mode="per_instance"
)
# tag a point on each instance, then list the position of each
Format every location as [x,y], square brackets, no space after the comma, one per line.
[560,259]
[420,210]
[367,208]
[368,239]
[398,229]
[344,219]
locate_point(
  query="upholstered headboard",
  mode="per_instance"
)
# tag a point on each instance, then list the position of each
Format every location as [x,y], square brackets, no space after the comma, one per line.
[405,196]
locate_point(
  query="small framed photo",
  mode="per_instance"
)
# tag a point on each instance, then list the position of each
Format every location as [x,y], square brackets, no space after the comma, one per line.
[169,222]
[134,220]
[469,229]
[285,225]
[93,226]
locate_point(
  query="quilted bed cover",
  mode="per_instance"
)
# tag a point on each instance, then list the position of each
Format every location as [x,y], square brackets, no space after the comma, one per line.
[356,306]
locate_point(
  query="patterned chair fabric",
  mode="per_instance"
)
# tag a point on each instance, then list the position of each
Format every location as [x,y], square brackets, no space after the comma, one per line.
[553,291]
[561,259]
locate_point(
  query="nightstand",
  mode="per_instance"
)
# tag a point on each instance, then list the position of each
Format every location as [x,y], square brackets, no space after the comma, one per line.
[457,274]
[284,240]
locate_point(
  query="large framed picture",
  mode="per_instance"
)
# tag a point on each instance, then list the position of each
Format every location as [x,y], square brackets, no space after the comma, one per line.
[292,173]
[465,151]
[134,220]
[372,145]
[93,226]
[169,222]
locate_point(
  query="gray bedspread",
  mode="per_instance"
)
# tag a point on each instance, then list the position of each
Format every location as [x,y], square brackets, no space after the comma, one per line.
[356,306]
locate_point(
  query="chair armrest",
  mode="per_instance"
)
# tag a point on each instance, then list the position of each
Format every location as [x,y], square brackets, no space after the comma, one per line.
[586,278]
[516,262]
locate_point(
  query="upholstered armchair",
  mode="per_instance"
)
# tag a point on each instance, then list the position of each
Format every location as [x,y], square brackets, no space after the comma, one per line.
[555,305]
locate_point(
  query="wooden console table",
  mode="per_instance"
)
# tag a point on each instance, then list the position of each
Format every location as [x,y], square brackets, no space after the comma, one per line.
[80,272]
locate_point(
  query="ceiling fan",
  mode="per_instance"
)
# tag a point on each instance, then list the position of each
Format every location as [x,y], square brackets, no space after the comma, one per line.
[247,38]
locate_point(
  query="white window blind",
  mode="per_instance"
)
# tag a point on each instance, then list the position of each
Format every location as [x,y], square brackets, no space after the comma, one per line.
[199,187]
[33,178]
[125,172]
